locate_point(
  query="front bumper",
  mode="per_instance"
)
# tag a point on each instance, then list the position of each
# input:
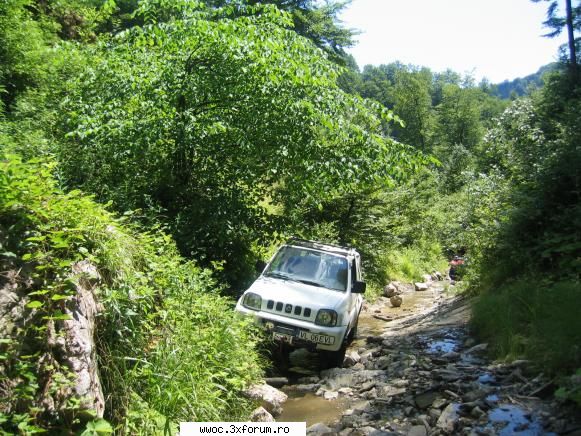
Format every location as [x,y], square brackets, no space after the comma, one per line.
[300,332]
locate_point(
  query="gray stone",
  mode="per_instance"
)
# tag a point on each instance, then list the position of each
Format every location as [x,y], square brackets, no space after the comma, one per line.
[477,412]
[425,400]
[448,419]
[396,301]
[417,430]
[419,287]
[260,414]
[271,398]
[351,359]
[439,403]
[389,290]
[319,428]
[474,395]
[390,391]
[477,348]
[330,395]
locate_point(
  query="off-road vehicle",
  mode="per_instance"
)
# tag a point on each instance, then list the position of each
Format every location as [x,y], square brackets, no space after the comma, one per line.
[309,295]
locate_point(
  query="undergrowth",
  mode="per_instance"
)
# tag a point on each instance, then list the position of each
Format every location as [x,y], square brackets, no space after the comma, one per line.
[533,319]
[409,264]
[169,347]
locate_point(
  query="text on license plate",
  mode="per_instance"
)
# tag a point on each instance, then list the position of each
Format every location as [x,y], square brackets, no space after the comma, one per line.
[316,337]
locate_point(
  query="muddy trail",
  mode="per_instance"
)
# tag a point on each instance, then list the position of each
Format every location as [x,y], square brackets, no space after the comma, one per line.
[415,370]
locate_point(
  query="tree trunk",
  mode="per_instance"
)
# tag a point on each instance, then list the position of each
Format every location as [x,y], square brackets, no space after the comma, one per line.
[571,37]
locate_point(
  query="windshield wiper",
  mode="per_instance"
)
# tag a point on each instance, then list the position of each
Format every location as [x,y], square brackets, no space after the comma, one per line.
[308,282]
[277,275]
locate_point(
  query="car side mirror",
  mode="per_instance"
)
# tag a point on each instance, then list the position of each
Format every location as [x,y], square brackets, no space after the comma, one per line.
[259,266]
[359,288]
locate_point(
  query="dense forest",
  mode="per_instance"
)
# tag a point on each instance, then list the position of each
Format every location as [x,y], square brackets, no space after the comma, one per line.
[172,144]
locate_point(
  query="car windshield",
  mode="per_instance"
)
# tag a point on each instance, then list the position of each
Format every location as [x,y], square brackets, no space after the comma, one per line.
[310,266]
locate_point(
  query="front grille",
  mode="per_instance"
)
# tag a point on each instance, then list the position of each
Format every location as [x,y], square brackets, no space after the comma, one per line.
[279,306]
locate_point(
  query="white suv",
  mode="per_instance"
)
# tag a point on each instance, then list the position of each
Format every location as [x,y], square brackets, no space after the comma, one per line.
[309,295]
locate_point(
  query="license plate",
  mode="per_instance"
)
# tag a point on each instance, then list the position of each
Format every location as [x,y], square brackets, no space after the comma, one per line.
[282,337]
[316,337]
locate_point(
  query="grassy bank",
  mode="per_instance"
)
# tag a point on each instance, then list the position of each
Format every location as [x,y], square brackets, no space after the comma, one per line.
[535,320]
[169,347]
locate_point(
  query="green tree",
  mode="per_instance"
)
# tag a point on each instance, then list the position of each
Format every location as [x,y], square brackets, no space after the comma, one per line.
[312,19]
[413,104]
[571,22]
[198,120]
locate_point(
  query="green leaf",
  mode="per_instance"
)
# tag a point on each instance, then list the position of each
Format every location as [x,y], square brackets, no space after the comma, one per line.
[35,304]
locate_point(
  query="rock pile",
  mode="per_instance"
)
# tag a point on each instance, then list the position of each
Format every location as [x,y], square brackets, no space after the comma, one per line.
[436,384]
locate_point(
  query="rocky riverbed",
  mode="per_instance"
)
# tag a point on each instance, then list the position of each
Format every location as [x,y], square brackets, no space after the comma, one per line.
[415,370]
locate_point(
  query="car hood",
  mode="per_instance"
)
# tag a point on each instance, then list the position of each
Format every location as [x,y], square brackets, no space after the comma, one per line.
[297,293]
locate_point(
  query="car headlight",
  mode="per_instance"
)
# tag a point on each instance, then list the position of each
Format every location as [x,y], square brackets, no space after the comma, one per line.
[326,317]
[252,301]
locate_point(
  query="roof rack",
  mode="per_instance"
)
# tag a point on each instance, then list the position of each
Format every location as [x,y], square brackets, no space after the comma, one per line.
[321,245]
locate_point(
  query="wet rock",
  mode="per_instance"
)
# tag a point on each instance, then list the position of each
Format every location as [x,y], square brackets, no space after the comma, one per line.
[345,391]
[425,400]
[477,412]
[480,348]
[260,414]
[319,428]
[271,398]
[474,395]
[385,317]
[447,375]
[451,356]
[448,419]
[417,430]
[396,301]
[439,403]
[419,287]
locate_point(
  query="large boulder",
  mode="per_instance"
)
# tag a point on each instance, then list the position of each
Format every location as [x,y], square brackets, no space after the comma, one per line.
[270,398]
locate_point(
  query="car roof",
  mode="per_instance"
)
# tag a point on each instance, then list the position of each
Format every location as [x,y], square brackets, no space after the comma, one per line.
[331,248]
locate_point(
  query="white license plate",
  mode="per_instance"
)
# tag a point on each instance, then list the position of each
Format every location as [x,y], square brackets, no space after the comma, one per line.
[282,337]
[316,337]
